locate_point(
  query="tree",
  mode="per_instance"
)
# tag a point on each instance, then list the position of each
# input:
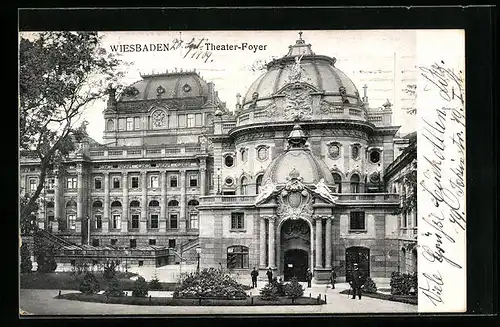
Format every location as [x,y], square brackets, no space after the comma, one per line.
[140,287]
[294,289]
[60,74]
[26,264]
[44,254]
[410,197]
[154,283]
[114,288]
[89,284]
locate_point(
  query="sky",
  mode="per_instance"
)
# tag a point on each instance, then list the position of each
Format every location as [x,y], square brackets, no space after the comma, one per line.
[386,61]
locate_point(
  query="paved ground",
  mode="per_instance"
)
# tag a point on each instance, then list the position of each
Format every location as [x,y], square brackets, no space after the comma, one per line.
[42,302]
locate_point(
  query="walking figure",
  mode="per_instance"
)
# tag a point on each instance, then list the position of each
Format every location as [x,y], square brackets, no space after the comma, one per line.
[333,277]
[269,274]
[309,277]
[356,282]
[254,275]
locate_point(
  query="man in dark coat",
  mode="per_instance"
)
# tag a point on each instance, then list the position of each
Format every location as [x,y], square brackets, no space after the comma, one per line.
[356,282]
[333,277]
[254,275]
[309,277]
[269,274]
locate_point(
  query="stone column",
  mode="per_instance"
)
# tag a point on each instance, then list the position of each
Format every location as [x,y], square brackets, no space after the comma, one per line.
[328,243]
[183,218]
[272,245]
[262,248]
[124,222]
[105,218]
[57,203]
[144,203]
[319,241]
[203,180]
[163,202]
[79,202]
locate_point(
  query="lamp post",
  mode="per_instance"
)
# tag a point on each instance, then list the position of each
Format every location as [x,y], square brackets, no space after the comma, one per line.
[88,230]
[218,181]
[198,252]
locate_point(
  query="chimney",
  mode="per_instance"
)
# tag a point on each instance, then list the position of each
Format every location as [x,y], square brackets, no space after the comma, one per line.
[238,103]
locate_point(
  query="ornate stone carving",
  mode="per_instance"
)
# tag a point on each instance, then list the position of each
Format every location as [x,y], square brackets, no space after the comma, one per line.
[294,200]
[344,132]
[271,110]
[298,103]
[255,136]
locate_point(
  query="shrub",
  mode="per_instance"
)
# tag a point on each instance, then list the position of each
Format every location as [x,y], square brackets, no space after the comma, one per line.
[26,264]
[114,288]
[294,289]
[369,286]
[140,287]
[280,286]
[154,283]
[89,284]
[269,292]
[110,269]
[403,284]
[209,283]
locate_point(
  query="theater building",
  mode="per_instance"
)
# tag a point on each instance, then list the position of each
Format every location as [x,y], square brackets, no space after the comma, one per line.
[292,178]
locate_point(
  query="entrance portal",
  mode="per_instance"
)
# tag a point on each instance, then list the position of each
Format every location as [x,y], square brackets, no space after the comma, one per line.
[295,264]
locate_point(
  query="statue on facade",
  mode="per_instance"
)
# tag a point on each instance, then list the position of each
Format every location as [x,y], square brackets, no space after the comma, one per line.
[324,191]
[265,191]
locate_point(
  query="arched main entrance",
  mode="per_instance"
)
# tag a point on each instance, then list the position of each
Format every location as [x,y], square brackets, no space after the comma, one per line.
[295,249]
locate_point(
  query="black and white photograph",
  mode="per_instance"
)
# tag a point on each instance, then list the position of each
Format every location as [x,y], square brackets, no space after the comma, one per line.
[187,172]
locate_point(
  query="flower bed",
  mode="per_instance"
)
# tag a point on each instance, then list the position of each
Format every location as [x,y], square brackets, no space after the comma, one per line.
[209,283]
[170,301]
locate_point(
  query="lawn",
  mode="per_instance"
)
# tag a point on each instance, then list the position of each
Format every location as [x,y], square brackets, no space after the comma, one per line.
[409,299]
[169,301]
[69,281]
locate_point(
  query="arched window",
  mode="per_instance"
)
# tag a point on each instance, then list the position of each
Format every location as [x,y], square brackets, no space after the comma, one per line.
[154,203]
[337,180]
[116,204]
[355,151]
[229,161]
[355,183]
[173,203]
[71,215]
[135,204]
[193,203]
[110,125]
[244,155]
[237,257]
[244,186]
[258,183]
[97,204]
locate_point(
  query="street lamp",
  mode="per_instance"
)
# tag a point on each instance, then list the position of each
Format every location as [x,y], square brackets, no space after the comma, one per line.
[198,252]
[88,230]
[218,181]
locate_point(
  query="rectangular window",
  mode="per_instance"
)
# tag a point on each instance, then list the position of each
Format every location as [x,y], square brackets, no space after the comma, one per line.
[135,181]
[141,263]
[190,120]
[114,241]
[116,182]
[237,257]
[51,183]
[193,180]
[32,184]
[130,124]
[173,221]
[135,221]
[182,120]
[237,220]
[137,123]
[154,181]
[73,262]
[95,242]
[357,221]
[72,221]
[133,243]
[171,244]
[115,224]
[51,218]
[71,182]
[405,220]
[98,222]
[121,124]
[173,181]
[152,241]
[198,121]
[193,220]
[98,183]
[172,122]
[154,221]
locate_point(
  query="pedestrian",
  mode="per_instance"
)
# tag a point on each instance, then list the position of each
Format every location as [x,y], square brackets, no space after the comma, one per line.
[333,277]
[269,274]
[309,277]
[254,275]
[356,282]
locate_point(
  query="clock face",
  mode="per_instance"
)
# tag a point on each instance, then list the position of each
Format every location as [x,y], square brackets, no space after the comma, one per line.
[159,118]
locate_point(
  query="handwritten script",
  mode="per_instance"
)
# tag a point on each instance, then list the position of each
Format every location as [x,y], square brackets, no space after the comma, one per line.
[441,184]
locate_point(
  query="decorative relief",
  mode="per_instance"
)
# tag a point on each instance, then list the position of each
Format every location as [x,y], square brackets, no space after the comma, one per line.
[294,201]
[334,150]
[344,132]
[159,118]
[255,136]
[271,110]
[298,103]
[262,152]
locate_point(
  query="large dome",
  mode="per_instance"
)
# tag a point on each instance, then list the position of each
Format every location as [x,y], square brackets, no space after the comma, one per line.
[300,158]
[166,86]
[301,85]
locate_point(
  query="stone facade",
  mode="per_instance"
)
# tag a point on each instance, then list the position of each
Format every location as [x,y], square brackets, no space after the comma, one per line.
[292,179]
